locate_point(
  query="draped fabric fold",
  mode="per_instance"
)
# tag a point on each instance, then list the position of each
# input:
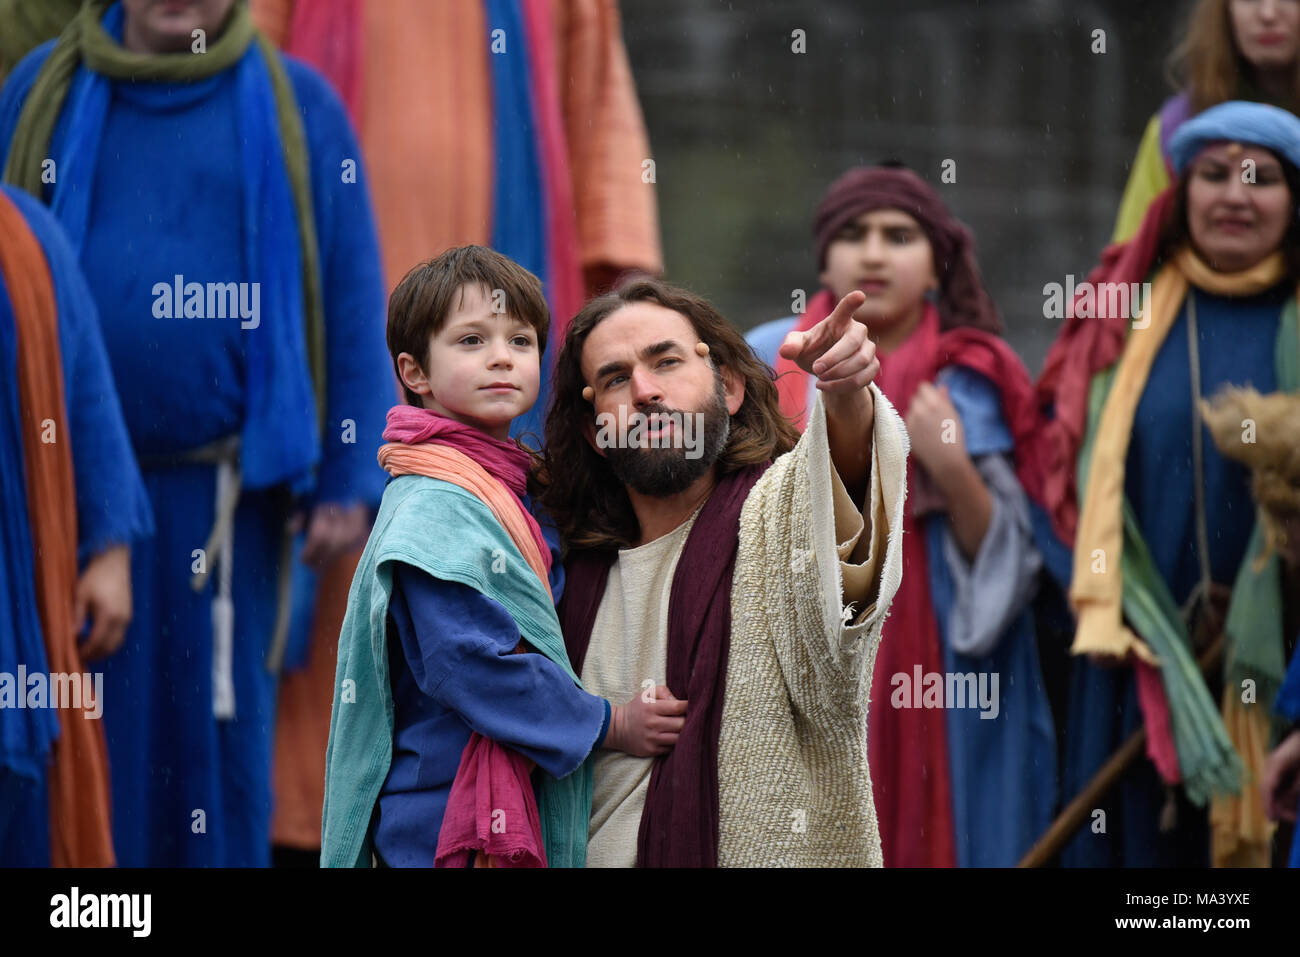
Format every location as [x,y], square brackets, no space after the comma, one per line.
[78,777]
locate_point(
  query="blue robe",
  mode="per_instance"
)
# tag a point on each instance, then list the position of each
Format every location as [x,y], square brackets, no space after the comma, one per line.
[1003,768]
[167,199]
[111,510]
[1288,706]
[1236,343]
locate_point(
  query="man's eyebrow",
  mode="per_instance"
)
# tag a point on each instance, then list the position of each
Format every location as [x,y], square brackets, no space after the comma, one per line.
[649,352]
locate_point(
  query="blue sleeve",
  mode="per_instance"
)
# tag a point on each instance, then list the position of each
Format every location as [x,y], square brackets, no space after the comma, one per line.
[980,406]
[14,93]
[990,592]
[112,506]
[604,727]
[460,647]
[360,387]
[552,536]
[1288,697]
[765,339]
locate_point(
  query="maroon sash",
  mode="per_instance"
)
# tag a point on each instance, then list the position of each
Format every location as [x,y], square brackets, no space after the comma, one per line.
[679,825]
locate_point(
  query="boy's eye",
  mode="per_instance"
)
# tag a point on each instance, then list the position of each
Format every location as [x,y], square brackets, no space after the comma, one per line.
[522,340]
[466,340]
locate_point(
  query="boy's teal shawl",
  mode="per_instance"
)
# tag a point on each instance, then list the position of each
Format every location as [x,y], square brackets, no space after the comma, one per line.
[445,531]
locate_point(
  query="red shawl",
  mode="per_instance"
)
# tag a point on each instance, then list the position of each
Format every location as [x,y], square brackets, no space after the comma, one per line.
[1083,348]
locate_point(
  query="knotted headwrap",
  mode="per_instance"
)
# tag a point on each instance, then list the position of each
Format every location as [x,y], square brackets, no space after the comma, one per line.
[963,300]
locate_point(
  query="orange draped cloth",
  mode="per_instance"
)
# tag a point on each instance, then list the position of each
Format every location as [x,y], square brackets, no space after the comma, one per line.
[80,835]
[425,124]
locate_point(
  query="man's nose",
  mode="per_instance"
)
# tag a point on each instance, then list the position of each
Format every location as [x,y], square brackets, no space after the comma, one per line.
[645,388]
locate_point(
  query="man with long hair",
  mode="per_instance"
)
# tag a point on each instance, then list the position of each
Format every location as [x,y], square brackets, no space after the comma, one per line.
[715,551]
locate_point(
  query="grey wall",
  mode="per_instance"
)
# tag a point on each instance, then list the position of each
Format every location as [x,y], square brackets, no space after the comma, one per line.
[746,134]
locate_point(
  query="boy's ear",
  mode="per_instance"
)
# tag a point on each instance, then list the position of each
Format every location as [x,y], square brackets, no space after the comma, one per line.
[413,377]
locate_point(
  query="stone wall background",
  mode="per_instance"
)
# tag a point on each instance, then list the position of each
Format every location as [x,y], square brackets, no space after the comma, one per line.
[746,134]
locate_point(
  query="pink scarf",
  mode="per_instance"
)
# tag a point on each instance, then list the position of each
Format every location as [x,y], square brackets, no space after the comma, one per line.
[506,462]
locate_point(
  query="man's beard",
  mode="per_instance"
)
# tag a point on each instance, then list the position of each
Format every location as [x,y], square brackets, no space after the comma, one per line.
[660,473]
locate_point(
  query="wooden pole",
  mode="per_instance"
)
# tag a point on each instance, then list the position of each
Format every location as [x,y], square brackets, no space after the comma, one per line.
[1076,812]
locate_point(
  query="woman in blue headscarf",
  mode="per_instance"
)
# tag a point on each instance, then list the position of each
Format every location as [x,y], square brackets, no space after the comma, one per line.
[1165,533]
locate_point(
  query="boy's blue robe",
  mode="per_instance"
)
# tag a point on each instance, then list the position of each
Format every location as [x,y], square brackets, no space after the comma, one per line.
[111,510]
[166,201]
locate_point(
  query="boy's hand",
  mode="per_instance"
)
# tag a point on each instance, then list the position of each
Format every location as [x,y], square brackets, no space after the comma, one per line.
[104,594]
[646,728]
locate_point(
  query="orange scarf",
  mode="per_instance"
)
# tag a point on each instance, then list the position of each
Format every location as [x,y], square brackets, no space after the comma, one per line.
[80,834]
[445,463]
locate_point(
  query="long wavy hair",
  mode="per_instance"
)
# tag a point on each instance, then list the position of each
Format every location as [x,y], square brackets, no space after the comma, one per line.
[588,502]
[1208,63]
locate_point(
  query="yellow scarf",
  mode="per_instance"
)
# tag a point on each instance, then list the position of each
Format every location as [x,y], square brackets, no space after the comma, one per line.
[1096,588]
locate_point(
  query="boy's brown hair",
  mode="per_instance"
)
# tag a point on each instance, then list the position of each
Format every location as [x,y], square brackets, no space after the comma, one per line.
[426,296]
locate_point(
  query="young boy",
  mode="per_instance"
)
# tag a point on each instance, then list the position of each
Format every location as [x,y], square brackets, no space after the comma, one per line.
[455,578]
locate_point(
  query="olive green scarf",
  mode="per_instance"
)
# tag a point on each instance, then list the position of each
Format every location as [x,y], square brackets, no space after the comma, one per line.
[86,41]
[28,24]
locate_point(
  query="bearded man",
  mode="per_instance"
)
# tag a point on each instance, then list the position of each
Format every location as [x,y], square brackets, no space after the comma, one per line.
[739,571]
